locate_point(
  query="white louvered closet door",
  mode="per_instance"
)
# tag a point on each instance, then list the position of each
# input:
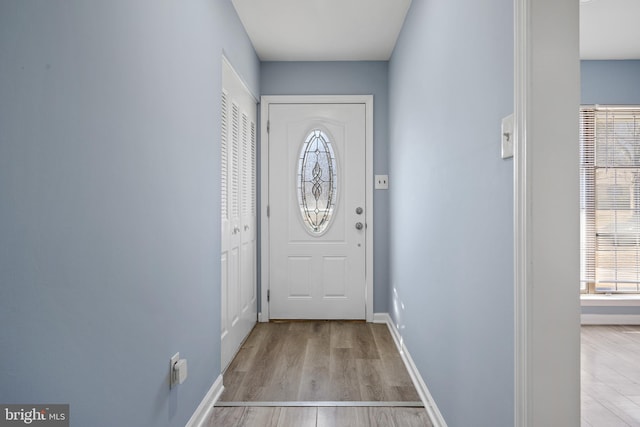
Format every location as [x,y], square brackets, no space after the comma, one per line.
[238,181]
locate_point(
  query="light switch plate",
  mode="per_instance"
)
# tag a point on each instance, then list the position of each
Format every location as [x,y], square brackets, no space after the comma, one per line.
[507,137]
[180,371]
[382,182]
[172,376]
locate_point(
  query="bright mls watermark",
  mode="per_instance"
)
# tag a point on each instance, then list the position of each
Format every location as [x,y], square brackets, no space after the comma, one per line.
[34,415]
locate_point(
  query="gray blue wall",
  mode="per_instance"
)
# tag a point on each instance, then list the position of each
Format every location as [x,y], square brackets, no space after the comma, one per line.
[109,203]
[451,228]
[348,78]
[610,82]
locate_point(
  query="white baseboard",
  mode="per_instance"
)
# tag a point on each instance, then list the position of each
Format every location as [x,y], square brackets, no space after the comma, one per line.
[610,319]
[381,318]
[201,414]
[430,405]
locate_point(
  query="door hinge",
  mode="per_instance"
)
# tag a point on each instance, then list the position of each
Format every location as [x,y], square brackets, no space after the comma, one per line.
[268,126]
[268,295]
[268,211]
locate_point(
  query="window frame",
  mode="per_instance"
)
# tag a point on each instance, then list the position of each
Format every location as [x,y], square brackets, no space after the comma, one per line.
[591,143]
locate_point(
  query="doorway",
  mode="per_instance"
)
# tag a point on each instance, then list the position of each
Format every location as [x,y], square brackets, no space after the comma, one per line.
[317,217]
[238,213]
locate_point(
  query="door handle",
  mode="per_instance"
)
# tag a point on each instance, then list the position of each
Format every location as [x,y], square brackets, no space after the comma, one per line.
[359,226]
[236,230]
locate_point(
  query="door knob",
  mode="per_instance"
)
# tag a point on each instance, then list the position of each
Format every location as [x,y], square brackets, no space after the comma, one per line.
[359,211]
[359,226]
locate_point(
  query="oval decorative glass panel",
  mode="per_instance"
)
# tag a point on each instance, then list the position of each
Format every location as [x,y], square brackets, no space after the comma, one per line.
[317,181]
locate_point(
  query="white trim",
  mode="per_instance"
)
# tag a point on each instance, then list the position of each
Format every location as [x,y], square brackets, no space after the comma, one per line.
[367,100]
[521,220]
[323,404]
[203,410]
[429,404]
[264,205]
[381,318]
[546,102]
[240,79]
[613,300]
[610,319]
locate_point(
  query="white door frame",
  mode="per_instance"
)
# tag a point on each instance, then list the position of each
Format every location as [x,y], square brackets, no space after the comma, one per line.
[367,100]
[546,213]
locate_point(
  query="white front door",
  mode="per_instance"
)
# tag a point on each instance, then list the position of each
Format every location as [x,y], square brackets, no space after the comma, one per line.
[317,201]
[239,219]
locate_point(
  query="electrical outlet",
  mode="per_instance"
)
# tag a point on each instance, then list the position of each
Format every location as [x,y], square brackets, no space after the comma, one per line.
[173,381]
[381,182]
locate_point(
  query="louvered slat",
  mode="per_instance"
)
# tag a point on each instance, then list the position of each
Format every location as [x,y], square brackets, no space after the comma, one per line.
[611,223]
[587,198]
[224,157]
[245,165]
[235,178]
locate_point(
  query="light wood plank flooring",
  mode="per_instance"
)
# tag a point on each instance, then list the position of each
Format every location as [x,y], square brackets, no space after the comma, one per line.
[318,361]
[610,376]
[318,417]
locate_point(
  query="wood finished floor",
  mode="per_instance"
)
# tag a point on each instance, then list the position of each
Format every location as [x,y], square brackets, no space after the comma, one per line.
[318,417]
[610,376]
[318,361]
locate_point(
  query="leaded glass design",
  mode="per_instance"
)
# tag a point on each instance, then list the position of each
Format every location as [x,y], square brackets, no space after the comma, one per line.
[317,181]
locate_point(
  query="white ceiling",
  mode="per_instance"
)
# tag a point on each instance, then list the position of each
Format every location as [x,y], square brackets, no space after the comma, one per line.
[610,29]
[323,30]
[358,30]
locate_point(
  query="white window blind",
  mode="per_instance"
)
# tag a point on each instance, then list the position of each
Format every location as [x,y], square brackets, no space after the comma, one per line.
[610,199]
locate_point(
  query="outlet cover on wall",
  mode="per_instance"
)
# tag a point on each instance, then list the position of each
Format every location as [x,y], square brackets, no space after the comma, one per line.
[382,182]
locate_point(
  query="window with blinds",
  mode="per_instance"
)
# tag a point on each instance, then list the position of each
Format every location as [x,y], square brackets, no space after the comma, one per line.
[610,199]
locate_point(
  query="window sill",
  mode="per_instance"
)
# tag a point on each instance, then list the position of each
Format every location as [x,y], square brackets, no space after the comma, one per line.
[604,300]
